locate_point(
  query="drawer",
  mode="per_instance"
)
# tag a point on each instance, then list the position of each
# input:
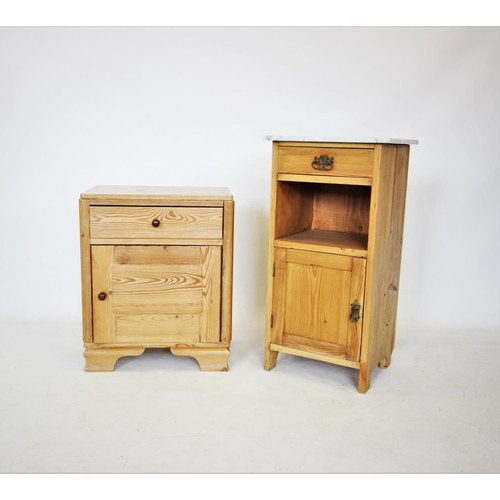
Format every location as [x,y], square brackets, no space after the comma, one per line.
[151,223]
[344,162]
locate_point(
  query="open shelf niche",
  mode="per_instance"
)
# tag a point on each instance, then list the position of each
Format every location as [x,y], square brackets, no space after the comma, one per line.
[334,217]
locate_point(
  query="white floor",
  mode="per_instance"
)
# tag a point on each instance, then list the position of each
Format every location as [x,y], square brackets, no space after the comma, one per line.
[435,410]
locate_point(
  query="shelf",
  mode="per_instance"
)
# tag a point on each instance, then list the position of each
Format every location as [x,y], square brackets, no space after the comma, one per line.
[352,244]
[324,179]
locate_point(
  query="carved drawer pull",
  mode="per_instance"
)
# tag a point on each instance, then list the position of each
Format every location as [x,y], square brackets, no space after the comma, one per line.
[323,162]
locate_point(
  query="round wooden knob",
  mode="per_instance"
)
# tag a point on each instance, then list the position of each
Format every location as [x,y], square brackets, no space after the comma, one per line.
[102,296]
[155,223]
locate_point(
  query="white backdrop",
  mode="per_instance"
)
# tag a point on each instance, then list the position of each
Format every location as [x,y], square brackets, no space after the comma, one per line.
[189,106]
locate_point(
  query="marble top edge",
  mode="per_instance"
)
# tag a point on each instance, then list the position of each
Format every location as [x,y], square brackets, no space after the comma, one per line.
[364,140]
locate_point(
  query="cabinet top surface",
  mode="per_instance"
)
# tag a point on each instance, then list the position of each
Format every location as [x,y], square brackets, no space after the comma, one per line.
[343,140]
[166,193]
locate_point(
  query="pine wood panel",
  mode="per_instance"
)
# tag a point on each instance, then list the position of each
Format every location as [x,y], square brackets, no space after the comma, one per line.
[311,345]
[337,262]
[104,321]
[86,271]
[385,282]
[274,349]
[157,241]
[309,309]
[379,263]
[296,208]
[323,179]
[356,293]
[211,294]
[227,272]
[151,298]
[136,222]
[154,278]
[153,289]
[342,208]
[270,356]
[163,255]
[158,328]
[354,245]
[110,194]
[278,300]
[313,293]
[396,246]
[347,161]
[162,344]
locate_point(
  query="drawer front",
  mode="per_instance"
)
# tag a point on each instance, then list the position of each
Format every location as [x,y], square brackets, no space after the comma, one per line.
[344,162]
[156,222]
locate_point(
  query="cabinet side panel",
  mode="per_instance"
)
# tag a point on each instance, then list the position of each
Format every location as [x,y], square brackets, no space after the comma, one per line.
[271,251]
[379,263]
[294,208]
[395,247]
[227,273]
[86,270]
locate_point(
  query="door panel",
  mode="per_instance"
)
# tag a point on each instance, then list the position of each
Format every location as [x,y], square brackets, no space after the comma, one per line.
[156,294]
[312,302]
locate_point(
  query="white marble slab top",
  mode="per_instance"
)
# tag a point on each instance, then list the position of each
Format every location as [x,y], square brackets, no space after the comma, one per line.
[364,140]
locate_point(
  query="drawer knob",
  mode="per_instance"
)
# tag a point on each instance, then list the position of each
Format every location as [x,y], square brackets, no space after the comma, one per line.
[155,223]
[102,296]
[323,162]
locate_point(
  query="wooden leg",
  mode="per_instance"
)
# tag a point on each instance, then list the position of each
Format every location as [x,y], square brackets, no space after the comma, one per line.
[208,359]
[270,359]
[104,359]
[365,374]
[385,362]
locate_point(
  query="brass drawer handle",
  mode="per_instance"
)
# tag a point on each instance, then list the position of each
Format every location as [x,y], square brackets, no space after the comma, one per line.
[355,308]
[155,223]
[324,162]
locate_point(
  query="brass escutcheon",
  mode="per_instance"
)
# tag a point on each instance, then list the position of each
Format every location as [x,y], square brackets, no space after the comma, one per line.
[355,308]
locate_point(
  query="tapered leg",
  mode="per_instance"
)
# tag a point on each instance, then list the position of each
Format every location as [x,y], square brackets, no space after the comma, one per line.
[208,359]
[270,359]
[365,375]
[104,359]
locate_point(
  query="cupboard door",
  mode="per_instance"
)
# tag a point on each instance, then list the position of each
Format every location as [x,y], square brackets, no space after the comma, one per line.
[312,302]
[156,294]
